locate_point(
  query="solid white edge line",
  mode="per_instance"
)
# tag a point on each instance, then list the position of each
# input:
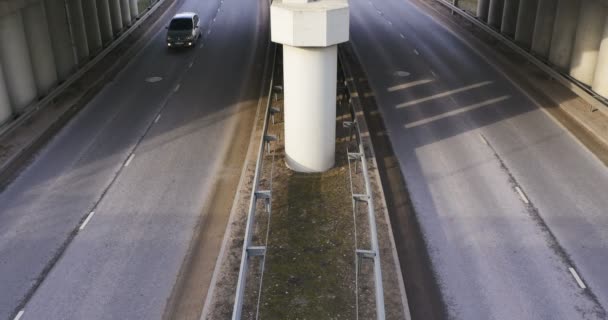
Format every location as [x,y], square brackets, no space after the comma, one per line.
[522,195]
[577,278]
[177,87]
[157,118]
[129,160]
[86,221]
[19,315]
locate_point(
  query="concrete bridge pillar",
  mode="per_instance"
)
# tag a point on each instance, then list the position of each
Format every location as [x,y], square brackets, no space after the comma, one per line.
[310,33]
[587,41]
[16,64]
[40,48]
[5,102]
[600,82]
[495,13]
[105,21]
[526,14]
[116,14]
[79,34]
[543,27]
[61,40]
[483,8]
[134,9]
[125,9]
[91,22]
[564,32]
[509,18]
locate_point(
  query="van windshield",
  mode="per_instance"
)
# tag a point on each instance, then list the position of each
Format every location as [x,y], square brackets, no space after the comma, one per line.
[181,24]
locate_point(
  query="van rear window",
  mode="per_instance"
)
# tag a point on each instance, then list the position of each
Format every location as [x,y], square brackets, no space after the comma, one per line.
[181,24]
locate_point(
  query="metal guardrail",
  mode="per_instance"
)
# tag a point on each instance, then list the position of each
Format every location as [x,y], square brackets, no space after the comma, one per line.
[596,101]
[249,249]
[373,253]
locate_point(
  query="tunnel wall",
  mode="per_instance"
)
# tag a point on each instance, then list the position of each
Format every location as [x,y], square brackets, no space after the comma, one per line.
[569,35]
[44,42]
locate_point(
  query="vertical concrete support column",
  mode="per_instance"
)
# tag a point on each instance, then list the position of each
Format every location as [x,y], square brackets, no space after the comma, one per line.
[134,9]
[495,13]
[116,14]
[125,9]
[78,29]
[40,48]
[61,40]
[105,21]
[16,63]
[600,82]
[526,14]
[564,31]
[5,102]
[483,8]
[91,22]
[543,27]
[310,33]
[587,42]
[509,18]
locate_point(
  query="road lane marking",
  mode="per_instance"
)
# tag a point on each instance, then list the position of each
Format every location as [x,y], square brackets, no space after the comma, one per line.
[86,221]
[456,112]
[153,79]
[390,22]
[19,315]
[129,160]
[191,64]
[408,85]
[483,139]
[522,195]
[443,94]
[416,52]
[402,36]
[157,118]
[433,73]
[577,278]
[401,73]
[177,87]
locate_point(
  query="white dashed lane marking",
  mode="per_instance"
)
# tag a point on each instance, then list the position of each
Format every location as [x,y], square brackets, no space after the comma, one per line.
[577,278]
[86,221]
[19,315]
[522,195]
[129,160]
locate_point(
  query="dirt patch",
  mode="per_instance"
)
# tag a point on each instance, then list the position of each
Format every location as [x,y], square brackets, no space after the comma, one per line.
[310,271]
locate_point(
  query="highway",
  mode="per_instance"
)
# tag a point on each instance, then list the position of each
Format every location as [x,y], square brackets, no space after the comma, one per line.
[144,156]
[507,200]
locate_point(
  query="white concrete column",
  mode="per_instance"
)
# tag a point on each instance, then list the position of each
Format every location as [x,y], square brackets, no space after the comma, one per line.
[134,9]
[526,14]
[543,27]
[61,40]
[564,31]
[495,13]
[5,102]
[91,22]
[125,8]
[600,82]
[483,8]
[509,17]
[105,21]
[587,42]
[40,48]
[116,14]
[310,33]
[16,62]
[78,29]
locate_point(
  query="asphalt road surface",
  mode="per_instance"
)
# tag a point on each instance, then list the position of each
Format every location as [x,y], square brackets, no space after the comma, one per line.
[142,156]
[508,201]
